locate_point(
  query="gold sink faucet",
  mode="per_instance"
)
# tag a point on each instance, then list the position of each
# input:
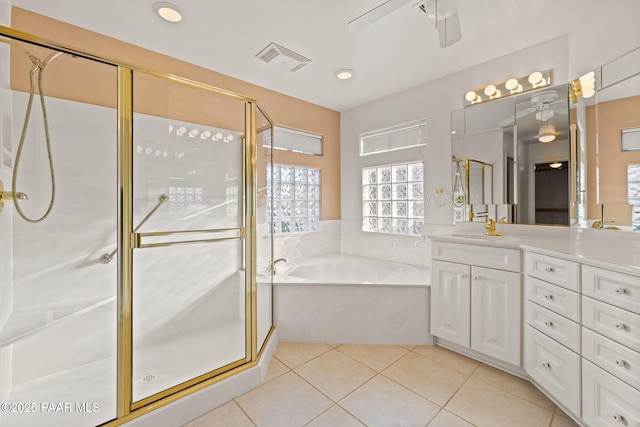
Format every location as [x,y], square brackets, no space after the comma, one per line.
[491,228]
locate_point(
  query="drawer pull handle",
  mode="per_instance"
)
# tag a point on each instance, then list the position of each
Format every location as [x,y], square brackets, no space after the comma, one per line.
[546,365]
[620,290]
[548,296]
[549,269]
[618,418]
[549,323]
[621,363]
[620,326]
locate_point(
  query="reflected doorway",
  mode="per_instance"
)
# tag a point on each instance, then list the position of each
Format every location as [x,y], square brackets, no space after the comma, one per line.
[551,193]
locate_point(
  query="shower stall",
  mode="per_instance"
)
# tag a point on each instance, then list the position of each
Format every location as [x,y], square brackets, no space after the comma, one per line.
[129,221]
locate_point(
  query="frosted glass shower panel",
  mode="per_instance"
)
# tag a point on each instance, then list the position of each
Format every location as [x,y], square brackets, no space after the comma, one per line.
[189,313]
[57,299]
[189,151]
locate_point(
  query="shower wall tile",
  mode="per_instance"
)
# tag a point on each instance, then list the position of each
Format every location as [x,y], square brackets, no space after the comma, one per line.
[389,247]
[308,245]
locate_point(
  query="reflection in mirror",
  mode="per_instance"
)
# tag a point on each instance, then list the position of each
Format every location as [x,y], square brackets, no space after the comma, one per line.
[613,183]
[511,159]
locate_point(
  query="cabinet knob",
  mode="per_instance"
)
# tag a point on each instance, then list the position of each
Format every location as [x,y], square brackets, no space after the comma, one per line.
[475,277]
[548,296]
[546,365]
[549,269]
[549,323]
[621,363]
[619,326]
[617,417]
[620,290]
[464,276]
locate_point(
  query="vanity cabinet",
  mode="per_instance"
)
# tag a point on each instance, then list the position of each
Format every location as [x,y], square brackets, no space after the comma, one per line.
[475,298]
[610,347]
[552,331]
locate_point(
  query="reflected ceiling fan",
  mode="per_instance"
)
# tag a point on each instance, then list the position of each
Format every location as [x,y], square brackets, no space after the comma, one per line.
[443,12]
[545,104]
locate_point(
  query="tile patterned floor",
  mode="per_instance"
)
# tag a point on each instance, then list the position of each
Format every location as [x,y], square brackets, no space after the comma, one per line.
[322,385]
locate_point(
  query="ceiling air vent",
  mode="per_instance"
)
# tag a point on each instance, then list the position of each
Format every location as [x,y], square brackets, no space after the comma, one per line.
[282,57]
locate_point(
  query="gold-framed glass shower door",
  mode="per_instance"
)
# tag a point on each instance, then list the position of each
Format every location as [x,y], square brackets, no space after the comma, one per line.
[191,279]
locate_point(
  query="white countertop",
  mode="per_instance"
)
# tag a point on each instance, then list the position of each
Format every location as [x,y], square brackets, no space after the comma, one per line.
[604,248]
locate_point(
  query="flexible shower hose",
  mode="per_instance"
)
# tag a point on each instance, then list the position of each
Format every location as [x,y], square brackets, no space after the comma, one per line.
[39,66]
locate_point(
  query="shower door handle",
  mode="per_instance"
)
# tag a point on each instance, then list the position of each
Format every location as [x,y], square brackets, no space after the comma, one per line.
[185,237]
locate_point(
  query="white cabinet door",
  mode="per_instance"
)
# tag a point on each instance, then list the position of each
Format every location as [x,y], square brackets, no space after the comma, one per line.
[554,367]
[450,302]
[496,314]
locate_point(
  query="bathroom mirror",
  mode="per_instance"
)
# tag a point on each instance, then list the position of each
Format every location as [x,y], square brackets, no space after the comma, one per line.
[498,147]
[612,123]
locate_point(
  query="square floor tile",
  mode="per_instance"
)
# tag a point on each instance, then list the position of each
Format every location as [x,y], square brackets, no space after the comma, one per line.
[294,354]
[426,377]
[276,368]
[456,361]
[512,384]
[560,419]
[227,415]
[447,419]
[383,403]
[335,417]
[287,401]
[335,374]
[377,357]
[484,405]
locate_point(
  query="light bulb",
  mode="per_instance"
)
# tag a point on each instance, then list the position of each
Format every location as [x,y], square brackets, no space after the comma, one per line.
[472,97]
[492,92]
[536,79]
[513,86]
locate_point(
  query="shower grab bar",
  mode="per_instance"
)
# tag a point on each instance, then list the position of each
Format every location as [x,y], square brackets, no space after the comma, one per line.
[106,258]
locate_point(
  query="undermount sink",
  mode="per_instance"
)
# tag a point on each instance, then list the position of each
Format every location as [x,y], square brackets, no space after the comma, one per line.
[485,237]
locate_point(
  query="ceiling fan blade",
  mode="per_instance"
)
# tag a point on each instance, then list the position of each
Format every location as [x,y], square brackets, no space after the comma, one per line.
[376,14]
[449,32]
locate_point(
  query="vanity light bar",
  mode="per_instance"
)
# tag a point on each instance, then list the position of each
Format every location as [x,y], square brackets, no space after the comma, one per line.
[513,86]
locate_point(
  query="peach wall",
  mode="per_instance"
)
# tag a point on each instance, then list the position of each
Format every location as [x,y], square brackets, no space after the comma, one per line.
[284,110]
[608,120]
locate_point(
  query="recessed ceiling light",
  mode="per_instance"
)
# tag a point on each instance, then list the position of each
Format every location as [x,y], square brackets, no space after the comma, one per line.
[167,11]
[344,74]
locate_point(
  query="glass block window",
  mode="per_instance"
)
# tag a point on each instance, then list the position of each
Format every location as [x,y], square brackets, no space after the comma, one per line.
[393,199]
[293,198]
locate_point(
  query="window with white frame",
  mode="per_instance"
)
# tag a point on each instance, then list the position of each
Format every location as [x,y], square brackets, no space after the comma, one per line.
[393,198]
[293,198]
[406,135]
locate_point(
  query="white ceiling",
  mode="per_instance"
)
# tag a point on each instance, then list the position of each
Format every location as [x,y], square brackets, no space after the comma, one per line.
[396,53]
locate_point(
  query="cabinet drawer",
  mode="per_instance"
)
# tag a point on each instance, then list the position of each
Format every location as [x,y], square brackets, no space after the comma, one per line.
[555,298]
[482,256]
[622,290]
[612,357]
[553,325]
[555,270]
[554,367]
[615,323]
[607,401]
